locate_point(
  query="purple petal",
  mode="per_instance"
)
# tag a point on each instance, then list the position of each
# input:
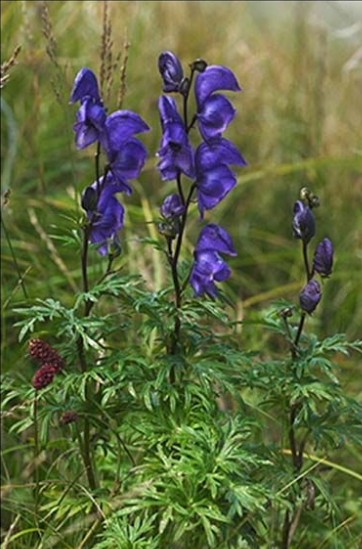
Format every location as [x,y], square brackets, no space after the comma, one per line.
[120,126]
[85,85]
[85,135]
[128,162]
[208,266]
[168,110]
[212,154]
[216,114]
[213,186]
[215,238]
[214,78]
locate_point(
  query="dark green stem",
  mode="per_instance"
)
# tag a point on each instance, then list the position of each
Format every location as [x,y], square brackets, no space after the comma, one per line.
[8,240]
[297,450]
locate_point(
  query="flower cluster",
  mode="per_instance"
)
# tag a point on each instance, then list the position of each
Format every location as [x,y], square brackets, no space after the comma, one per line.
[208,164]
[304,228]
[125,154]
[50,361]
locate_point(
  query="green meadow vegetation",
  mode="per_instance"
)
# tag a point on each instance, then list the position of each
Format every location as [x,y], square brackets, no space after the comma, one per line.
[298,124]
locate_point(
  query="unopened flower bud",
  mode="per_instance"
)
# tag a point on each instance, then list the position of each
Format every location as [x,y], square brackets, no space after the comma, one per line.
[309,197]
[184,86]
[89,199]
[171,71]
[323,258]
[303,222]
[310,296]
[198,65]
[172,206]
[169,229]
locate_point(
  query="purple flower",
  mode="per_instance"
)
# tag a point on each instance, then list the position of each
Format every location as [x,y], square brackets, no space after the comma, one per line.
[119,128]
[214,179]
[85,86]
[303,222]
[90,123]
[209,267]
[171,71]
[91,116]
[310,296]
[172,206]
[214,111]
[216,238]
[176,154]
[106,214]
[323,258]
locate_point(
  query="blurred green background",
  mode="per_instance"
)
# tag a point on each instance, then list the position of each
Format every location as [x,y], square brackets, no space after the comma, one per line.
[298,123]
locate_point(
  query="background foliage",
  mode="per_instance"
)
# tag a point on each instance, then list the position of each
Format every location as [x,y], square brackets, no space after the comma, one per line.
[298,124]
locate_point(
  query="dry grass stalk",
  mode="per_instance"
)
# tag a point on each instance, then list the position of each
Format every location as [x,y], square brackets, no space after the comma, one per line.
[7,66]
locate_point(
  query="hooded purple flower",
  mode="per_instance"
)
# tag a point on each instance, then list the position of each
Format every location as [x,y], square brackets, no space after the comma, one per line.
[171,71]
[214,179]
[323,258]
[176,154]
[172,206]
[310,296]
[85,86]
[106,214]
[214,111]
[303,222]
[91,116]
[209,267]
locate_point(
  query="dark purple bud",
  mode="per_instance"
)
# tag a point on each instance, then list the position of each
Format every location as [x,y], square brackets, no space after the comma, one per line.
[171,71]
[172,206]
[184,87]
[89,199]
[310,296]
[198,65]
[303,222]
[323,258]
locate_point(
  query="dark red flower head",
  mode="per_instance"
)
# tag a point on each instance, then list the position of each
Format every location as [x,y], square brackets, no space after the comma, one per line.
[44,376]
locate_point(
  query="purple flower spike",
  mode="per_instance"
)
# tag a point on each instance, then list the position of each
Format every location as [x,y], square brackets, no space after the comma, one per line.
[85,86]
[303,222]
[172,206]
[171,71]
[310,296]
[323,258]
